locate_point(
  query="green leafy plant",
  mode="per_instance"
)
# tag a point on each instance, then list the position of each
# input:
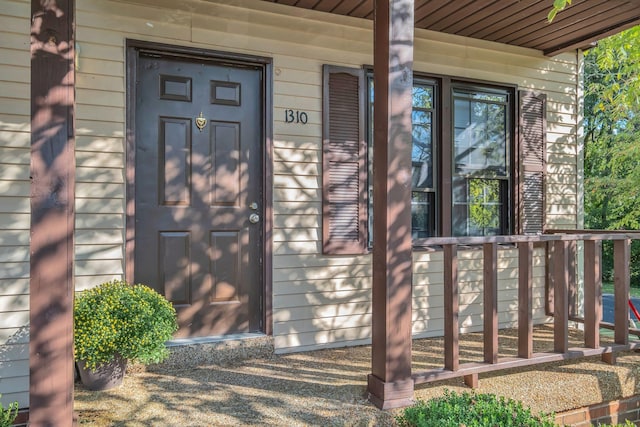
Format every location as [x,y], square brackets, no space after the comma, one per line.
[8,415]
[471,410]
[558,6]
[115,317]
[626,424]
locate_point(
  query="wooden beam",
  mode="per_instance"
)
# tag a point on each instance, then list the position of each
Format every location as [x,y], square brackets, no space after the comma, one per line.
[582,235]
[468,369]
[451,308]
[548,279]
[471,380]
[52,213]
[390,384]
[525,297]
[592,293]
[490,267]
[573,278]
[621,281]
[560,276]
[608,358]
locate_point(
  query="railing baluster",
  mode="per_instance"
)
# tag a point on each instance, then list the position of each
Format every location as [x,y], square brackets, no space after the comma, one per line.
[621,280]
[548,278]
[451,308]
[592,292]
[558,272]
[560,293]
[525,315]
[573,282]
[490,302]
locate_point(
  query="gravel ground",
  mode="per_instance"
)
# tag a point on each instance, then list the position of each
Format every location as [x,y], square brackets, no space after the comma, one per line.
[235,384]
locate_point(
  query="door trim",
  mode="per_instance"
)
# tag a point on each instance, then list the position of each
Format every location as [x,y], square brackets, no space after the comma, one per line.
[133,48]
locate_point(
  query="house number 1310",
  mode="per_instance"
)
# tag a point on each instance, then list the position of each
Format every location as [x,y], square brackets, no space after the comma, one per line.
[291,116]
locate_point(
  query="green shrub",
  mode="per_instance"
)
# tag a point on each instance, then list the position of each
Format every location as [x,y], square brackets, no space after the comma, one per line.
[118,318]
[626,424]
[471,410]
[8,415]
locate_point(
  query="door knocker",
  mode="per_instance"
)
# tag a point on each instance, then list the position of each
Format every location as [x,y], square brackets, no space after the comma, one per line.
[201,122]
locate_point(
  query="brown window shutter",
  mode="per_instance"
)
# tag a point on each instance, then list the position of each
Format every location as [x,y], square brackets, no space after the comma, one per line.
[533,113]
[344,172]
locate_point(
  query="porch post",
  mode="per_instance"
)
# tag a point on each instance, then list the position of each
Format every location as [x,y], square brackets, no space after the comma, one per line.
[390,384]
[52,213]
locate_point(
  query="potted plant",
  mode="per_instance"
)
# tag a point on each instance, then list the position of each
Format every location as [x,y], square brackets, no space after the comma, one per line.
[115,322]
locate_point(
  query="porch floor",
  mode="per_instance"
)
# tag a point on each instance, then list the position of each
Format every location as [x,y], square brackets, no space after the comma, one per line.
[328,387]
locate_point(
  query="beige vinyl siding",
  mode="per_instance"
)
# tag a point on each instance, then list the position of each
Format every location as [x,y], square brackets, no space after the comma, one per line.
[318,300]
[15,143]
[428,291]
[100,155]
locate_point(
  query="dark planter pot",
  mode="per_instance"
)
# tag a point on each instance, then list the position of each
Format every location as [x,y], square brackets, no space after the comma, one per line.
[106,376]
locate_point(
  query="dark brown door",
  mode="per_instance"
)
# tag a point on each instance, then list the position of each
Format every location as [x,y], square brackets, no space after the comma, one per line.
[198,191]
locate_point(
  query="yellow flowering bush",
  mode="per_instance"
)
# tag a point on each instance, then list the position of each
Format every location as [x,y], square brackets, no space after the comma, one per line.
[118,318]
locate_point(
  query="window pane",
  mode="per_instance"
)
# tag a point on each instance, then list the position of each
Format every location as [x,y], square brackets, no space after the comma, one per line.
[422,215]
[478,206]
[496,97]
[423,97]
[422,150]
[480,137]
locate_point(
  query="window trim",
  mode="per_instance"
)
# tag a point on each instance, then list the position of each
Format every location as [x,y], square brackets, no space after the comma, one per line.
[436,147]
[509,208]
[529,171]
[443,148]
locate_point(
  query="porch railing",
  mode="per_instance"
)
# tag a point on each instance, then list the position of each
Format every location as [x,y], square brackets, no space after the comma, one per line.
[561,280]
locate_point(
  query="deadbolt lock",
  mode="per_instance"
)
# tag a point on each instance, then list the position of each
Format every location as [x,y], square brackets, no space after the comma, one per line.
[253,206]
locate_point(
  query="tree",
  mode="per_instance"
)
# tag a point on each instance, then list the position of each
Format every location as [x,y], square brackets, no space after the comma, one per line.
[558,5]
[612,139]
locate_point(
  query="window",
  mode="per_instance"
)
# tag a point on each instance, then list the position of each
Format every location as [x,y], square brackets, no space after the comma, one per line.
[482,170]
[480,151]
[423,176]
[467,177]
[423,173]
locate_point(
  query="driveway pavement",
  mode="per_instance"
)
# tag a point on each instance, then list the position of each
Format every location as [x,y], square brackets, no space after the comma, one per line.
[607,308]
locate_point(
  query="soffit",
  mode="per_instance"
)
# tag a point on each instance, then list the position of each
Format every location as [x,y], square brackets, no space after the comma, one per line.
[514,22]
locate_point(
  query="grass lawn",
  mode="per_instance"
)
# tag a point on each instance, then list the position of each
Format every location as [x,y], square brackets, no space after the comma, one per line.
[607,288]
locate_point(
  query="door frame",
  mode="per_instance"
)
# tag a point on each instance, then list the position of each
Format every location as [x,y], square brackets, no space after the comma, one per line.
[133,47]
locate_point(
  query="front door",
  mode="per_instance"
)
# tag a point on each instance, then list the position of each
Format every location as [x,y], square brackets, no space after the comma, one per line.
[198,190]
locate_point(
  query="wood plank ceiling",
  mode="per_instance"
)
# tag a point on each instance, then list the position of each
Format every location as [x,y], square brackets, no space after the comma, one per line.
[515,22]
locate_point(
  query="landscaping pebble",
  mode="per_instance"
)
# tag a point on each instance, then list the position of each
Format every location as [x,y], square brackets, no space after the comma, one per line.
[243,383]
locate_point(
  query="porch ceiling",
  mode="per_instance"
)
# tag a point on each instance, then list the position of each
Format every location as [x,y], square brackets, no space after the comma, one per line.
[515,22]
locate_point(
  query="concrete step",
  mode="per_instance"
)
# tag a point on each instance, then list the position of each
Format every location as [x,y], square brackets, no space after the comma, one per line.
[226,350]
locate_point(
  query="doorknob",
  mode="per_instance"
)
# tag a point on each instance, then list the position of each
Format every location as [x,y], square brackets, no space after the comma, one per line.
[254,218]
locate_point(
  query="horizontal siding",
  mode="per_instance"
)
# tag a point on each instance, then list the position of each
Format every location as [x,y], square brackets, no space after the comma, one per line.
[100,123]
[14,287]
[317,297]
[428,291]
[317,300]
[15,141]
[343,297]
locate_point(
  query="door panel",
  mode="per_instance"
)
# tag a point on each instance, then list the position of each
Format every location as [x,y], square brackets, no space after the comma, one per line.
[226,179]
[175,161]
[198,169]
[225,245]
[175,250]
